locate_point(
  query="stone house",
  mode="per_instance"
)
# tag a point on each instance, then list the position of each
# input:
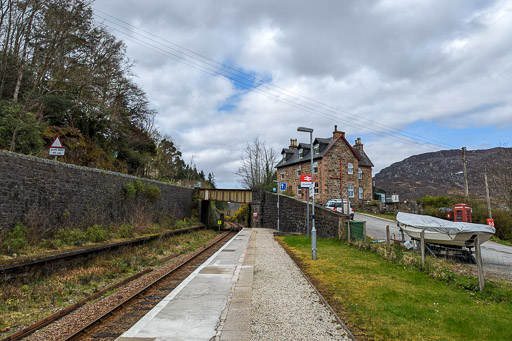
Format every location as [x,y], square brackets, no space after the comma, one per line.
[341,170]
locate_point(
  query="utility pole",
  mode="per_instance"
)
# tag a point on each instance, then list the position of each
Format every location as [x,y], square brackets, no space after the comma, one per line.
[466,190]
[487,193]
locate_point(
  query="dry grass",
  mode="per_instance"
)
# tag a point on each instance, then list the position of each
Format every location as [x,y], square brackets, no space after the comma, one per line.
[27,300]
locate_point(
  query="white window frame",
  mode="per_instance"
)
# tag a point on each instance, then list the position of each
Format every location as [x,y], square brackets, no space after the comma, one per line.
[350,168]
[317,148]
[360,173]
[350,189]
[361,191]
[282,174]
[301,153]
[316,188]
[315,167]
[298,190]
[298,170]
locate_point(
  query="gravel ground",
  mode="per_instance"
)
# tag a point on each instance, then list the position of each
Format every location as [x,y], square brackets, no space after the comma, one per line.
[284,305]
[84,315]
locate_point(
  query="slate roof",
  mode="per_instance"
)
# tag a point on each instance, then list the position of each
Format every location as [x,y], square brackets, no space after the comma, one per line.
[364,159]
[292,154]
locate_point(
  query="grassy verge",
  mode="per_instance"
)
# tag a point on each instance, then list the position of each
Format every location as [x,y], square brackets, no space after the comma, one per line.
[380,215]
[383,299]
[24,301]
[23,242]
[501,241]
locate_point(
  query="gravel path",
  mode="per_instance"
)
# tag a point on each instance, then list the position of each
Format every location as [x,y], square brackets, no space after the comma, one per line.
[284,305]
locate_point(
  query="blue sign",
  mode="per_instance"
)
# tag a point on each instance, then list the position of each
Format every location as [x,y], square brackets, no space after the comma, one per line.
[283,186]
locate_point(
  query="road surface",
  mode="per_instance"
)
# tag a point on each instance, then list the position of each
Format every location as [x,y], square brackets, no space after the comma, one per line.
[496,258]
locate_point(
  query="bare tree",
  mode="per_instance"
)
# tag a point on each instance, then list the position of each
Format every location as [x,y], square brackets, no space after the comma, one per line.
[500,179]
[500,182]
[258,161]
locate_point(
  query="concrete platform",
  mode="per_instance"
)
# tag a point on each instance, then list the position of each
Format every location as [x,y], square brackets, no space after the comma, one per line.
[214,302]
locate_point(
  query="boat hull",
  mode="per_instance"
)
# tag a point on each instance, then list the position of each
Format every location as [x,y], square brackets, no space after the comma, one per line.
[463,239]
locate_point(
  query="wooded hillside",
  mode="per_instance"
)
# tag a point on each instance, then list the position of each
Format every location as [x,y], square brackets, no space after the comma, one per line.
[62,74]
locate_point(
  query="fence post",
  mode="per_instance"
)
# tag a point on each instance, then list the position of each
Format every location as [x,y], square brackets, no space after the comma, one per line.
[388,239]
[479,266]
[348,231]
[341,232]
[364,233]
[422,244]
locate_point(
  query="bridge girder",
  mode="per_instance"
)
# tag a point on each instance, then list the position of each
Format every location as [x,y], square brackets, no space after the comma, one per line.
[243,196]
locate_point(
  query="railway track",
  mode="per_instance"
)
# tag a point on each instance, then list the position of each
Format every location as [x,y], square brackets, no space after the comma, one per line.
[112,322]
[64,259]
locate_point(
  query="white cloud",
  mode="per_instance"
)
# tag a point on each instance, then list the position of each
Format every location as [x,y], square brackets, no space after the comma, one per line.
[396,62]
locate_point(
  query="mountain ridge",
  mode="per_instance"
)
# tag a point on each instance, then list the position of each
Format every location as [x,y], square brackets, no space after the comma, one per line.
[440,173]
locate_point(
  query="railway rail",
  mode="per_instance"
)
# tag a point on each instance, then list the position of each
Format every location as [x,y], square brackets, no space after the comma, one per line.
[62,259]
[111,323]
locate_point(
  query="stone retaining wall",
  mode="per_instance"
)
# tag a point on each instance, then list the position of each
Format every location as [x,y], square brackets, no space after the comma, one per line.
[48,194]
[292,215]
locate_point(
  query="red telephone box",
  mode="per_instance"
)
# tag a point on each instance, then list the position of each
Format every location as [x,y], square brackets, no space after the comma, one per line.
[462,212]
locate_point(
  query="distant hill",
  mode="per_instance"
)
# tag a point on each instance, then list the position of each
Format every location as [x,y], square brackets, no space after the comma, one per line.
[440,173]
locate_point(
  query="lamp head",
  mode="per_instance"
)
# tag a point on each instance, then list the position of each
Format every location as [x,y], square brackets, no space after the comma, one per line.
[304,129]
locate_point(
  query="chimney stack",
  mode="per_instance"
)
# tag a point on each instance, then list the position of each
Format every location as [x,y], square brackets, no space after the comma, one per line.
[293,144]
[358,144]
[336,133]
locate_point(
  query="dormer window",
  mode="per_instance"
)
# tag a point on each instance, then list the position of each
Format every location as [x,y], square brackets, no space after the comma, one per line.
[301,152]
[317,148]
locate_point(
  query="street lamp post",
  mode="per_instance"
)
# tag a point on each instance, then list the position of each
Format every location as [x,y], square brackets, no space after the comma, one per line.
[312,189]
[278,190]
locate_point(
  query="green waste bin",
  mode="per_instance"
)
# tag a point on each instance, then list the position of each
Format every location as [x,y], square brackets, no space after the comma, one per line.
[356,230]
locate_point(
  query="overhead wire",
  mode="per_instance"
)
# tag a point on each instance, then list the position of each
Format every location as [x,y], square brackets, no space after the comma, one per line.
[276,97]
[262,82]
[247,81]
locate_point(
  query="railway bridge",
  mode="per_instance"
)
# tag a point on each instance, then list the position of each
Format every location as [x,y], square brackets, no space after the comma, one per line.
[243,196]
[263,210]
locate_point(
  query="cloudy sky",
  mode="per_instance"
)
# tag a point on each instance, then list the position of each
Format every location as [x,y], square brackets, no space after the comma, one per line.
[407,76]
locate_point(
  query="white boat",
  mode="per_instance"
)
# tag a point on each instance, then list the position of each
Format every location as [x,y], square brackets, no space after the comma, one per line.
[443,232]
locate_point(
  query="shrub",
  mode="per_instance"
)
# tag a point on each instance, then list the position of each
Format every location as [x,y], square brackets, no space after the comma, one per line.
[97,233]
[242,214]
[126,231]
[71,236]
[153,192]
[52,244]
[167,222]
[129,191]
[374,203]
[503,224]
[289,193]
[16,240]
[181,224]
[437,202]
[140,187]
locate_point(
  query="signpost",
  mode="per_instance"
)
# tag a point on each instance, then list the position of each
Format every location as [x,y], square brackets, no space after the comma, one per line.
[57,148]
[282,187]
[219,222]
[305,181]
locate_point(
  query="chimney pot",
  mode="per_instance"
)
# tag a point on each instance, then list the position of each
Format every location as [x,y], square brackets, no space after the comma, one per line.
[336,133]
[293,144]
[358,144]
